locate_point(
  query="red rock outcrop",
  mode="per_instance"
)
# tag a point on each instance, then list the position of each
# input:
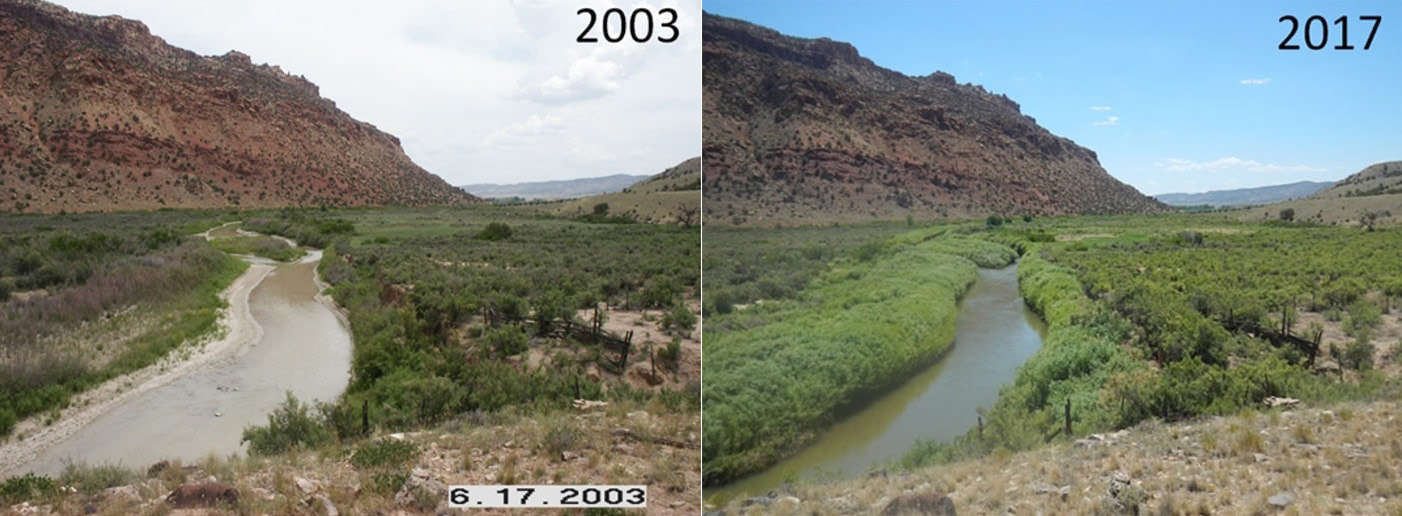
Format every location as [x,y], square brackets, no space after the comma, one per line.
[807,131]
[96,113]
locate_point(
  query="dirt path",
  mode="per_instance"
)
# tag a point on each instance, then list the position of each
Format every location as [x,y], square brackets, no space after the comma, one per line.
[237,330]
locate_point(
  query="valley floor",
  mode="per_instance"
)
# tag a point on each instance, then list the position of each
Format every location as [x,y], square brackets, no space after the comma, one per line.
[1340,459]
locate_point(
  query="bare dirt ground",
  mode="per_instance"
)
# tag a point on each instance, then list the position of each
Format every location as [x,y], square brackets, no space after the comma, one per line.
[1303,461]
[1386,339]
[648,334]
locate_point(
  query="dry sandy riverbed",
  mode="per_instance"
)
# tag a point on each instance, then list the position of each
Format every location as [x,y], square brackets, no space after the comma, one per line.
[237,331]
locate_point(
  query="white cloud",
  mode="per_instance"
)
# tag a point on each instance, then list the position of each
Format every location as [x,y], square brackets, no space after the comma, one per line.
[1100,108]
[526,133]
[1255,82]
[1233,164]
[1109,120]
[478,92]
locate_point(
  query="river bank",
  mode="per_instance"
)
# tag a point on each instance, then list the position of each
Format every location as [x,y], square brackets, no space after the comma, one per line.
[208,389]
[1331,459]
[237,330]
[995,333]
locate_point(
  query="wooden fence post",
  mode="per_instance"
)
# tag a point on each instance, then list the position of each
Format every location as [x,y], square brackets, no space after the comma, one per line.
[365,417]
[1068,417]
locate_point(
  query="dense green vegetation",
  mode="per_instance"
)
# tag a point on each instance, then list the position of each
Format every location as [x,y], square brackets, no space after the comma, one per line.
[68,282]
[267,247]
[779,371]
[444,303]
[1172,319]
[743,265]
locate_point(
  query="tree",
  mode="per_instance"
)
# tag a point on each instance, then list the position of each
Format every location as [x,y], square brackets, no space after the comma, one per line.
[688,214]
[1369,219]
[601,209]
[1287,214]
[994,221]
[679,320]
[495,231]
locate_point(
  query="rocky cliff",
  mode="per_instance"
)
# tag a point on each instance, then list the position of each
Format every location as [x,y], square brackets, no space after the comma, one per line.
[807,130]
[96,113]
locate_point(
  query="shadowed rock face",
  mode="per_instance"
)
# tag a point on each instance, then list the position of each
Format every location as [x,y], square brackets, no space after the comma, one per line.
[96,114]
[804,130]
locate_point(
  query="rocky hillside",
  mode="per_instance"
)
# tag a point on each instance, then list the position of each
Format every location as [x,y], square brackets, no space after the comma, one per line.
[808,130]
[96,113]
[1372,197]
[672,196]
[686,176]
[1378,179]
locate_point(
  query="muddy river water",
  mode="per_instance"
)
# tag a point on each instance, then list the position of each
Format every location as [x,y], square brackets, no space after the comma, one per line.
[995,333]
[303,347]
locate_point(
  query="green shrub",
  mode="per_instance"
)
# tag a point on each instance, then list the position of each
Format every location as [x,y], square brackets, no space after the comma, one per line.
[291,425]
[91,479]
[1359,354]
[26,487]
[671,355]
[679,320]
[384,452]
[506,340]
[495,231]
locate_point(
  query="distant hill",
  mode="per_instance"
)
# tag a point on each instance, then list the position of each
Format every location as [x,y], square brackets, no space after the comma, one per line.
[803,131]
[1373,195]
[1243,196]
[686,176]
[673,196]
[97,113]
[561,189]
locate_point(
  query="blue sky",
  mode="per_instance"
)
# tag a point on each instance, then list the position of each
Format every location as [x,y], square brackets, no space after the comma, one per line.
[1173,96]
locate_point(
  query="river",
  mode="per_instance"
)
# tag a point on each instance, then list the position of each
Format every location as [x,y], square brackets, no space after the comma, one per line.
[995,333]
[302,346]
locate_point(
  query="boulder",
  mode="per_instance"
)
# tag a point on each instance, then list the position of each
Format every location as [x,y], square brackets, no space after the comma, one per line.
[421,491]
[208,494]
[928,503]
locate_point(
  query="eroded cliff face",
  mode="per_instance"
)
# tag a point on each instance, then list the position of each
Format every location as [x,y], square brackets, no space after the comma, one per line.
[96,113]
[803,131]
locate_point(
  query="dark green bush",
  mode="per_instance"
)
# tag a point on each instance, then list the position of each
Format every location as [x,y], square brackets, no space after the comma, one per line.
[291,425]
[26,487]
[495,231]
[384,452]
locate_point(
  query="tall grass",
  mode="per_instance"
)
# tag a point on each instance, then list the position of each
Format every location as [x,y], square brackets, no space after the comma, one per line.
[41,362]
[855,331]
[267,247]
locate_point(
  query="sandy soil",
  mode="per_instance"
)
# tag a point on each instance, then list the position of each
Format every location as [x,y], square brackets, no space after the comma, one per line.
[237,331]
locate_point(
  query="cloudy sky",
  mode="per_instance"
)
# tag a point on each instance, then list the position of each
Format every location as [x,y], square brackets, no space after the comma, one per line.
[482,91]
[1173,96]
